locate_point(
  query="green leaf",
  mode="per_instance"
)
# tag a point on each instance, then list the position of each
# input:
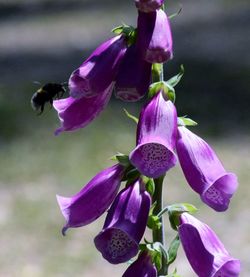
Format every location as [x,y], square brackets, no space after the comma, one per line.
[176,79]
[185,121]
[157,259]
[128,31]
[177,13]
[129,115]
[173,249]
[117,30]
[181,208]
[154,222]
[122,159]
[150,186]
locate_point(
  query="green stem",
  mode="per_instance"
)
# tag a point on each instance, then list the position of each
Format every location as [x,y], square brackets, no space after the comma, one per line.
[160,214]
[158,234]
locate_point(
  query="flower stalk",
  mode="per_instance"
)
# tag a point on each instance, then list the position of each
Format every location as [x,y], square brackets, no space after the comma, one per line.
[159,234]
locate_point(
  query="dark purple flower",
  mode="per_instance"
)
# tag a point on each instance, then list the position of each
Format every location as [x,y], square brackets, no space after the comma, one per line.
[93,200]
[125,224]
[78,113]
[204,171]
[134,75]
[142,267]
[154,36]
[156,136]
[97,73]
[205,252]
[148,5]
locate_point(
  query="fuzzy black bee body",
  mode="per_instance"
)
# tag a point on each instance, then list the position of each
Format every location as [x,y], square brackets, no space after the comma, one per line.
[45,94]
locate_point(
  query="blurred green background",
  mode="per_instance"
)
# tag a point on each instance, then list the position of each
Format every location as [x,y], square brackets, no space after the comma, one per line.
[45,40]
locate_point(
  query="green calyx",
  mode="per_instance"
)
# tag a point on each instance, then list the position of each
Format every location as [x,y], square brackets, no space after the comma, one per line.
[175,210]
[128,31]
[167,90]
[185,121]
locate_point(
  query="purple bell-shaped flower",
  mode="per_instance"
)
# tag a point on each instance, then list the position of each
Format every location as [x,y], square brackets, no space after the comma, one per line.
[154,36]
[125,224]
[78,113]
[156,137]
[205,252]
[93,200]
[148,5]
[142,267]
[204,171]
[134,76]
[97,73]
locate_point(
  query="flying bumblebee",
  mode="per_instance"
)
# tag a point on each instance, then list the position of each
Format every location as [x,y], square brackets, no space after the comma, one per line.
[46,93]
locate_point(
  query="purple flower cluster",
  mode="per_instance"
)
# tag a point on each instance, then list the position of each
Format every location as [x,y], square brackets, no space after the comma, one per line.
[126,68]
[157,138]
[116,65]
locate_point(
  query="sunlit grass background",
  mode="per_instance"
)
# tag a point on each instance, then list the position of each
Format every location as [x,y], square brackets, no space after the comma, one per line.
[44,41]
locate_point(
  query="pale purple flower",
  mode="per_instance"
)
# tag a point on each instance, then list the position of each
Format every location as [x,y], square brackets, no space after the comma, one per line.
[154,36]
[78,113]
[93,199]
[97,73]
[134,76]
[148,5]
[156,137]
[142,267]
[125,224]
[205,252]
[204,171]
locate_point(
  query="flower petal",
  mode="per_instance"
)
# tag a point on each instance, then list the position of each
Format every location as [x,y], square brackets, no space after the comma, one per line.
[78,113]
[93,200]
[204,171]
[99,70]
[156,136]
[205,252]
[125,224]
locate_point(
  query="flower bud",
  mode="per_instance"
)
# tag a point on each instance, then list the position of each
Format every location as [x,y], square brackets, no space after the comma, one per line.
[148,5]
[134,75]
[156,136]
[93,200]
[142,267]
[98,72]
[154,36]
[78,113]
[204,171]
[205,252]
[125,224]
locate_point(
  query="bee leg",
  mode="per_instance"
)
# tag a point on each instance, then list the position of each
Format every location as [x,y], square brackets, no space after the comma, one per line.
[41,111]
[62,93]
